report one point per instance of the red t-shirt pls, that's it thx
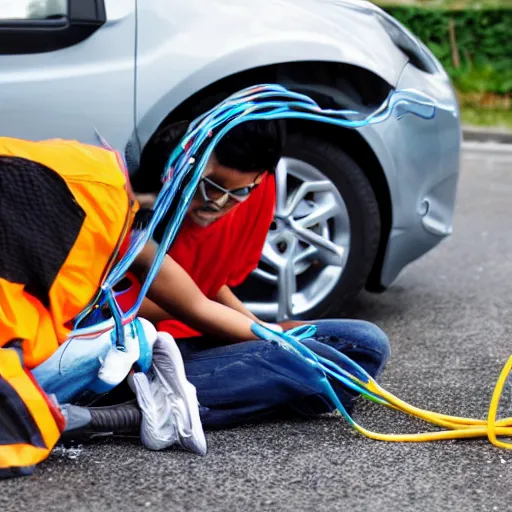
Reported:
(225, 252)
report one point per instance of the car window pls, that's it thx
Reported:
(33, 9)
(40, 26)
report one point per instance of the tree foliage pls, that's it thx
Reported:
(482, 41)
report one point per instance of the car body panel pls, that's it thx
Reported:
(68, 92)
(152, 55)
(173, 61)
(421, 161)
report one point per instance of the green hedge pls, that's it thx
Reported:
(483, 43)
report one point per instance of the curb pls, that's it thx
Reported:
(495, 148)
(484, 134)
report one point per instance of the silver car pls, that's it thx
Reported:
(354, 206)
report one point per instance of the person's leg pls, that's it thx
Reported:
(90, 366)
(248, 382)
(254, 380)
(69, 372)
(361, 341)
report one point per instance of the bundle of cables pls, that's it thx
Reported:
(180, 180)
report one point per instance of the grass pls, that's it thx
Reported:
(484, 90)
(486, 117)
(485, 108)
(448, 4)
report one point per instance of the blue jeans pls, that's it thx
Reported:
(256, 380)
(72, 373)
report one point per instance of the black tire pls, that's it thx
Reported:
(359, 197)
(363, 210)
(365, 226)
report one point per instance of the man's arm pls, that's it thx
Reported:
(230, 300)
(155, 314)
(226, 297)
(175, 292)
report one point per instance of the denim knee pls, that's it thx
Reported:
(346, 334)
(289, 370)
(379, 339)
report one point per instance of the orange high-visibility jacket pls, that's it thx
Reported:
(65, 210)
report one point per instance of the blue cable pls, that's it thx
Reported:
(267, 101)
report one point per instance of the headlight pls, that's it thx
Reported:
(415, 50)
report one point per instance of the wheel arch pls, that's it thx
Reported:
(332, 85)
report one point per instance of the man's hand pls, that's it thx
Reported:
(290, 324)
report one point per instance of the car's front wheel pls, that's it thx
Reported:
(324, 238)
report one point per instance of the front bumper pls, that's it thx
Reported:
(421, 161)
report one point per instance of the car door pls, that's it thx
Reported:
(66, 68)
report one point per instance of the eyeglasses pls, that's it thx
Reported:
(213, 193)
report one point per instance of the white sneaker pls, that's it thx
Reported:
(168, 401)
(169, 364)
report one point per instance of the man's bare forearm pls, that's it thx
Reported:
(226, 297)
(155, 314)
(174, 291)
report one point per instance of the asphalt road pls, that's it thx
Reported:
(449, 319)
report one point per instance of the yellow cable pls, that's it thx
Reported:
(431, 436)
(459, 427)
(493, 409)
(431, 417)
(442, 420)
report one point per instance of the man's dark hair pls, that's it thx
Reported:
(249, 146)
